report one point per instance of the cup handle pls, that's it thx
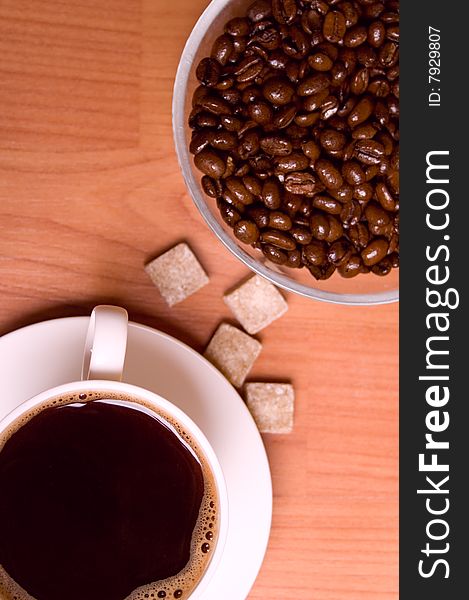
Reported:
(106, 343)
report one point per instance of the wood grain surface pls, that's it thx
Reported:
(90, 190)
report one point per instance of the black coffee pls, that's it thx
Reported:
(99, 498)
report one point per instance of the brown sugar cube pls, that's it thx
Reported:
(271, 405)
(233, 352)
(256, 303)
(177, 274)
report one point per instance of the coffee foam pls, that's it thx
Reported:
(205, 534)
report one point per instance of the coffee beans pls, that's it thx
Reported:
(296, 131)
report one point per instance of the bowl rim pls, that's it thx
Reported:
(178, 120)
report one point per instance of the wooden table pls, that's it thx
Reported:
(90, 189)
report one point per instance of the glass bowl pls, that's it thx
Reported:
(366, 289)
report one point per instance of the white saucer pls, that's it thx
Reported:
(47, 354)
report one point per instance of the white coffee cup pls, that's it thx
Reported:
(103, 363)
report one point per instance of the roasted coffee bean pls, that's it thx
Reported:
(394, 257)
(376, 34)
(350, 13)
(374, 252)
(291, 203)
(334, 27)
(329, 107)
(363, 192)
(278, 239)
(359, 82)
(339, 252)
(320, 62)
(232, 96)
(383, 267)
(231, 123)
(200, 140)
(274, 254)
(314, 253)
(279, 220)
(375, 215)
(301, 183)
(210, 163)
(260, 215)
(270, 195)
(252, 184)
(366, 56)
(208, 72)
(301, 235)
(351, 267)
(311, 23)
(278, 91)
(338, 74)
(246, 231)
(259, 10)
(313, 85)
(311, 150)
(389, 54)
(367, 131)
(392, 33)
(248, 69)
(238, 27)
(296, 131)
(356, 36)
(209, 186)
(380, 88)
(231, 199)
(307, 119)
(348, 58)
(328, 174)
(369, 152)
(261, 112)
(343, 194)
(284, 11)
(276, 145)
(322, 273)
(332, 139)
(327, 204)
(372, 11)
(361, 112)
(319, 225)
(200, 93)
(346, 107)
(223, 140)
(351, 213)
(230, 167)
(331, 50)
(384, 197)
(228, 213)
(296, 161)
(204, 119)
(295, 44)
(260, 164)
(353, 173)
(312, 103)
(215, 105)
(359, 235)
(284, 116)
(241, 193)
(226, 83)
(222, 49)
(267, 39)
(294, 260)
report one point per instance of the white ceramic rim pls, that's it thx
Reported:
(171, 410)
(184, 158)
